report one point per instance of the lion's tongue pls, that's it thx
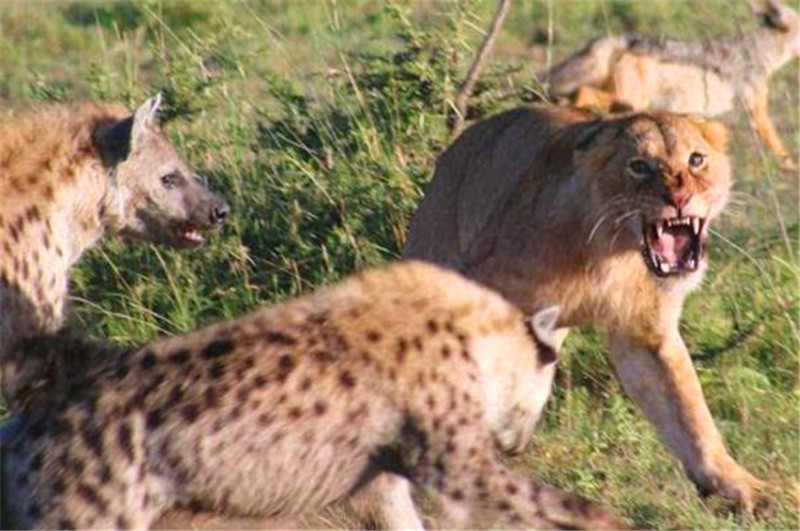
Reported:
(671, 247)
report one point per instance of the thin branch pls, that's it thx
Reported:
(465, 91)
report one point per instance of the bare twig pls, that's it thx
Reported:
(477, 66)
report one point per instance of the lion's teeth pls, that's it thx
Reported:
(664, 267)
(659, 230)
(696, 225)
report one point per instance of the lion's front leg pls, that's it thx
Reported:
(661, 380)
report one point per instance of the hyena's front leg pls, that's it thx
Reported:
(661, 380)
(477, 491)
(388, 501)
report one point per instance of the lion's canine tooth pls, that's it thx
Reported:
(696, 225)
(659, 230)
(664, 267)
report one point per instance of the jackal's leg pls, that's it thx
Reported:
(756, 101)
(660, 378)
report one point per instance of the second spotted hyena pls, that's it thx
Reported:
(70, 175)
(410, 372)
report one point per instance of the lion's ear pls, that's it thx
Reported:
(715, 134)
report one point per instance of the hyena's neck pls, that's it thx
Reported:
(52, 236)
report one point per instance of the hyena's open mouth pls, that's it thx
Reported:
(188, 235)
(674, 246)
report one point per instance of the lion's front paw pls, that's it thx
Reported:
(734, 483)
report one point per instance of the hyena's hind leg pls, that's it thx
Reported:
(477, 491)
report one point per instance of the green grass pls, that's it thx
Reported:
(320, 123)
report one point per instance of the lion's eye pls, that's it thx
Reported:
(170, 180)
(696, 159)
(640, 168)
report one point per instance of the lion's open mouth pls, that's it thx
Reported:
(674, 246)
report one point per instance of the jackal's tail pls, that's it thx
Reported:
(591, 66)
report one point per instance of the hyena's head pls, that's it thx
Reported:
(154, 195)
(519, 366)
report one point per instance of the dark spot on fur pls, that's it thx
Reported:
(242, 393)
(445, 352)
(347, 379)
(58, 486)
(125, 440)
(432, 326)
(210, 396)
(286, 363)
(148, 360)
(279, 338)
(32, 214)
(431, 401)
(91, 496)
(217, 348)
(265, 419)
(36, 462)
(236, 412)
(92, 437)
(402, 349)
(305, 385)
(216, 370)
(260, 381)
(122, 522)
(66, 524)
(179, 357)
(417, 341)
(175, 394)
(104, 474)
(320, 408)
(155, 418)
(323, 356)
(511, 489)
(457, 495)
(295, 413)
(373, 336)
(504, 506)
(190, 413)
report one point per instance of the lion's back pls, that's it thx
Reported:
(476, 176)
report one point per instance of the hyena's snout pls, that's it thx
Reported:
(218, 211)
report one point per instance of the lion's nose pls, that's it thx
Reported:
(677, 197)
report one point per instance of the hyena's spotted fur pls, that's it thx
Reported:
(68, 176)
(409, 372)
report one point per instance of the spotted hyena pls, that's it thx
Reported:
(69, 175)
(409, 372)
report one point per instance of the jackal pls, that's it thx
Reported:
(700, 77)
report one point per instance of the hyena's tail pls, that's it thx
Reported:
(591, 66)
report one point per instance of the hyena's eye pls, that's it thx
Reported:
(640, 168)
(696, 160)
(171, 180)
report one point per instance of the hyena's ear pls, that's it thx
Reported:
(145, 118)
(543, 325)
(113, 140)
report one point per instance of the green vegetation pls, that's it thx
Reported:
(320, 123)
